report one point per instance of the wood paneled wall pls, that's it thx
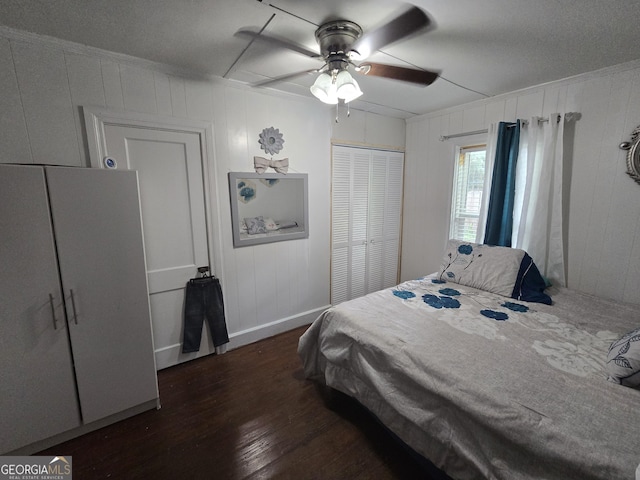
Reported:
(268, 288)
(603, 224)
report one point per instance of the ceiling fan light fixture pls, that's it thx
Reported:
(324, 89)
(346, 87)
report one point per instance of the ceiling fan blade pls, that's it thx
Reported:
(278, 42)
(420, 77)
(408, 23)
(284, 78)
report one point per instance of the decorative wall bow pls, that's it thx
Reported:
(261, 164)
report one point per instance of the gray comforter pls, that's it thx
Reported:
(483, 386)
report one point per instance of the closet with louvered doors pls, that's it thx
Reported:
(366, 219)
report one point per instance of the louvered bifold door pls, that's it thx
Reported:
(385, 208)
(359, 223)
(366, 213)
(340, 208)
(349, 223)
(378, 186)
(392, 218)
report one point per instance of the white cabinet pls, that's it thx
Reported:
(366, 216)
(75, 333)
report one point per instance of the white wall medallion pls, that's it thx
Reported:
(271, 141)
(633, 154)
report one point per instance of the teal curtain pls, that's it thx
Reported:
(501, 200)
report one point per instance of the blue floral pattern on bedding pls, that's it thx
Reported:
(440, 302)
(404, 294)
(516, 307)
(443, 298)
(450, 292)
(567, 347)
(500, 316)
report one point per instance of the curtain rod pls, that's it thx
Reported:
(569, 116)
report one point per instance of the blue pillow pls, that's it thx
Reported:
(530, 284)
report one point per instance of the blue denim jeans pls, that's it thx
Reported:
(203, 299)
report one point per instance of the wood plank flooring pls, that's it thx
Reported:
(247, 414)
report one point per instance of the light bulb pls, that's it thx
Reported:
(346, 87)
(324, 89)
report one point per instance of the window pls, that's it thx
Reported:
(468, 182)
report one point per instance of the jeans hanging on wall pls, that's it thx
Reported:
(203, 300)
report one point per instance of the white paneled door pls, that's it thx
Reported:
(170, 170)
(365, 220)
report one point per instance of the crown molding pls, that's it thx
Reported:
(45, 41)
(80, 49)
(581, 77)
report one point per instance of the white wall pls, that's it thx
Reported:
(363, 128)
(604, 203)
(268, 288)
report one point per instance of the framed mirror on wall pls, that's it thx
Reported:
(268, 207)
(633, 154)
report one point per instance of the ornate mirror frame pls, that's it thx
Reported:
(633, 155)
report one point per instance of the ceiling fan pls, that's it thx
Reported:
(343, 44)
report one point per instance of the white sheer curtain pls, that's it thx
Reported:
(492, 140)
(537, 216)
(537, 225)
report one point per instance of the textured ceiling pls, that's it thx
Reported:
(481, 48)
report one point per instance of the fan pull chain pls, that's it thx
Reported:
(338, 111)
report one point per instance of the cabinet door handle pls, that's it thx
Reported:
(53, 312)
(73, 305)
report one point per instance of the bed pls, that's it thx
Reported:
(485, 384)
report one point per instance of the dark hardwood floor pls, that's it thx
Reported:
(247, 414)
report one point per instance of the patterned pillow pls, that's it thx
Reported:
(506, 271)
(255, 225)
(623, 360)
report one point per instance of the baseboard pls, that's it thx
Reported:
(172, 355)
(261, 332)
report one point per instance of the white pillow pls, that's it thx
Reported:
(623, 360)
(494, 269)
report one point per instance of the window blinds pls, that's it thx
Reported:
(467, 192)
